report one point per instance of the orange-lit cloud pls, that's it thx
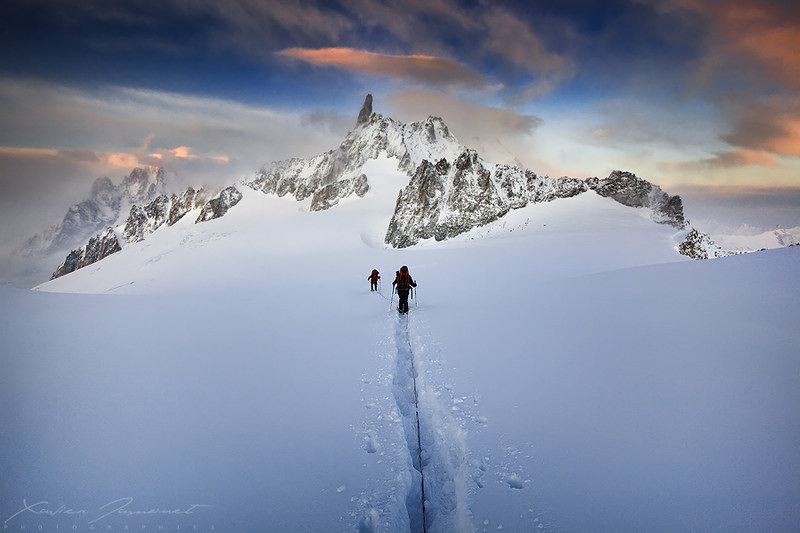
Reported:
(112, 160)
(772, 125)
(106, 162)
(122, 160)
(165, 156)
(181, 152)
(424, 69)
(739, 157)
(765, 33)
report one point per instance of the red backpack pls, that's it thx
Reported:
(403, 279)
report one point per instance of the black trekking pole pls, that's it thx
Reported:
(416, 299)
(390, 299)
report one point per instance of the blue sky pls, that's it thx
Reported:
(701, 98)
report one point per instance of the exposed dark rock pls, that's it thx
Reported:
(366, 111)
(98, 247)
(144, 221)
(188, 200)
(698, 245)
(418, 206)
(522, 187)
(631, 191)
(444, 200)
(329, 195)
(217, 207)
(134, 226)
(374, 137)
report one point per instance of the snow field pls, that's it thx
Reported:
(574, 374)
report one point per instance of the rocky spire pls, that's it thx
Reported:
(366, 111)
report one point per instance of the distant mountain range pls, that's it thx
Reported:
(104, 207)
(451, 190)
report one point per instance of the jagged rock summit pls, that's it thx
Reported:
(366, 111)
(106, 203)
(450, 191)
(334, 175)
(142, 221)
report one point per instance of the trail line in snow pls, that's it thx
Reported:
(407, 398)
(419, 433)
(438, 500)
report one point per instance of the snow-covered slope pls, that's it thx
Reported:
(573, 373)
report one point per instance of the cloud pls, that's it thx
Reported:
(740, 209)
(499, 41)
(428, 70)
(735, 158)
(415, 104)
(765, 33)
(500, 135)
(772, 125)
(438, 43)
(510, 38)
(54, 142)
(108, 161)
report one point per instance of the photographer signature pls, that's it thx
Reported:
(120, 506)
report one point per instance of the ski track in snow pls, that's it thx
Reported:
(423, 425)
(417, 429)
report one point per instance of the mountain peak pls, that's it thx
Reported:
(102, 187)
(143, 184)
(366, 111)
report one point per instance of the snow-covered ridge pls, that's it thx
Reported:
(442, 200)
(143, 221)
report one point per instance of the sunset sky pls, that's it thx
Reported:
(700, 97)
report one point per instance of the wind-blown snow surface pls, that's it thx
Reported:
(573, 374)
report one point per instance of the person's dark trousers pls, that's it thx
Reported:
(402, 294)
(374, 286)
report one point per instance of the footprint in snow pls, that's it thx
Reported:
(514, 481)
